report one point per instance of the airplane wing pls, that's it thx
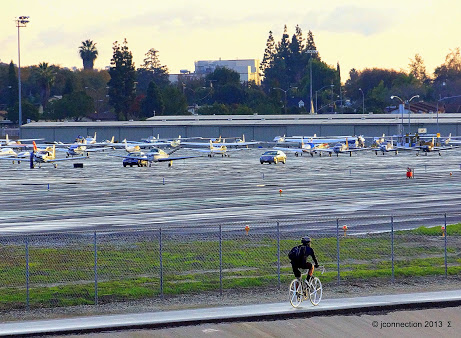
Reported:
(243, 144)
(291, 150)
(324, 150)
(198, 144)
(175, 158)
(65, 159)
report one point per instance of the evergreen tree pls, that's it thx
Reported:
(310, 45)
(296, 62)
(269, 54)
(13, 88)
(153, 103)
(152, 70)
(121, 84)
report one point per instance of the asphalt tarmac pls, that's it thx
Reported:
(105, 195)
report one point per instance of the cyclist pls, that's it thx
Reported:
(301, 262)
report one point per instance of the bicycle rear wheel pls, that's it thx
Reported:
(295, 293)
(315, 291)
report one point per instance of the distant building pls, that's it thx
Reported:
(248, 70)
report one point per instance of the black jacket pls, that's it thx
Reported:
(307, 251)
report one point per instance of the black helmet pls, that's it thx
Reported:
(305, 240)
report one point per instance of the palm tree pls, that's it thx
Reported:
(88, 53)
(45, 78)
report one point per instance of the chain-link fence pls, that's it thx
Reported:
(62, 269)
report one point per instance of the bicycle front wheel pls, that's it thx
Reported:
(296, 293)
(315, 291)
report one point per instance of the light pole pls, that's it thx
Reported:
(401, 108)
(363, 101)
(311, 52)
(285, 92)
(22, 21)
(316, 96)
(409, 110)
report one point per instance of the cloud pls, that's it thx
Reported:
(351, 19)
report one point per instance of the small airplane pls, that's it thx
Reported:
(238, 142)
(154, 155)
(298, 151)
(87, 140)
(427, 147)
(10, 154)
(279, 139)
(213, 149)
(339, 148)
(47, 155)
(6, 142)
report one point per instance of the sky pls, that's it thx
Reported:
(356, 33)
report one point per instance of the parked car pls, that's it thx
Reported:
(135, 159)
(273, 156)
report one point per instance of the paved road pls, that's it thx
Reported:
(240, 313)
(104, 195)
(434, 323)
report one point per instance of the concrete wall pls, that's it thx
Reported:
(257, 128)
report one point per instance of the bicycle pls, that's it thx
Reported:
(300, 291)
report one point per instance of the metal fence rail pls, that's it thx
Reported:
(61, 269)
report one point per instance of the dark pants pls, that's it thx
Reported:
(296, 266)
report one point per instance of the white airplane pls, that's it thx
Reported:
(48, 155)
(213, 149)
(87, 140)
(10, 154)
(279, 139)
(6, 142)
(154, 155)
(339, 148)
(238, 142)
(299, 150)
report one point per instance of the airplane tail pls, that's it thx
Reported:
(33, 142)
(347, 143)
(53, 154)
(243, 137)
(6, 138)
(112, 139)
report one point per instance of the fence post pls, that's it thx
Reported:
(220, 259)
(337, 248)
(392, 246)
(445, 230)
(95, 270)
(278, 253)
(161, 261)
(27, 274)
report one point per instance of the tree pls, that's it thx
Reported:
(121, 84)
(74, 105)
(175, 101)
(13, 88)
(269, 54)
(153, 102)
(88, 53)
(152, 70)
(418, 69)
(45, 77)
